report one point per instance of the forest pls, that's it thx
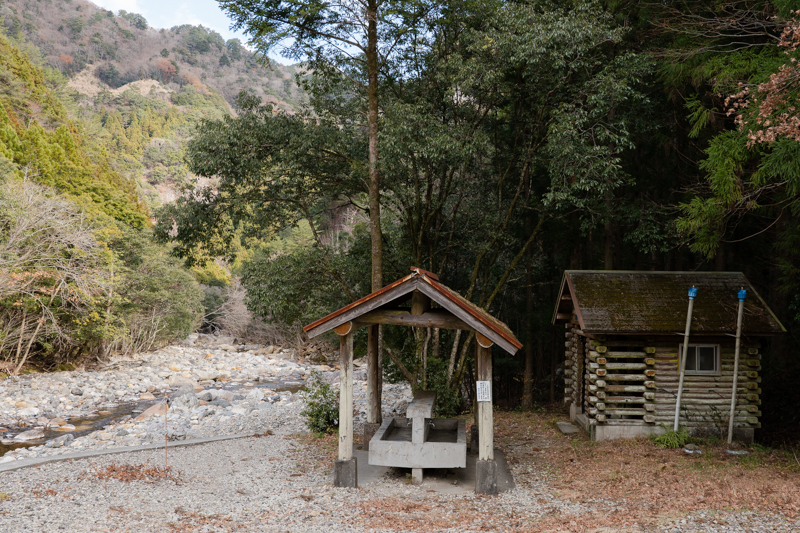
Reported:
(493, 143)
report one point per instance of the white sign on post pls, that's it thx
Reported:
(484, 391)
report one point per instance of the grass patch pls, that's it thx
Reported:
(672, 439)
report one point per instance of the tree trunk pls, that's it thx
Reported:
(372, 127)
(527, 387)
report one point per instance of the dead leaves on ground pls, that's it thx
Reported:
(127, 473)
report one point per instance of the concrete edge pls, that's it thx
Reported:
(23, 463)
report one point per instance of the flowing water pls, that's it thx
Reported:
(99, 419)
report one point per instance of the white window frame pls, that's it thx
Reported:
(717, 360)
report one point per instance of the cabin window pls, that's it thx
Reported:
(701, 358)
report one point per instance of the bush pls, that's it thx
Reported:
(322, 405)
(672, 439)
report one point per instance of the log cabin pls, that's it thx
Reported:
(624, 336)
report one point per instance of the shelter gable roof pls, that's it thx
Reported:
(427, 283)
(656, 302)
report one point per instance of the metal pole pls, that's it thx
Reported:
(742, 297)
(692, 296)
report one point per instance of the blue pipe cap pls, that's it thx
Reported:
(742, 295)
(692, 293)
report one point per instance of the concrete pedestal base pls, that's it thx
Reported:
(416, 476)
(369, 432)
(345, 473)
(486, 477)
(473, 438)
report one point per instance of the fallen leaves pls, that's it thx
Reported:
(127, 473)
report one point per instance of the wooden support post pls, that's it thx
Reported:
(483, 358)
(345, 391)
(374, 386)
(374, 381)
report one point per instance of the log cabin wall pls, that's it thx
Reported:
(573, 367)
(630, 385)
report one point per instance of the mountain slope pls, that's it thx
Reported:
(76, 36)
(138, 91)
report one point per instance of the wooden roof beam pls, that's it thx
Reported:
(433, 318)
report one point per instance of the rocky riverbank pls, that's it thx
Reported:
(213, 387)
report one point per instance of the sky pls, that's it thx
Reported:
(169, 13)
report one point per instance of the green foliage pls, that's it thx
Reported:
(200, 40)
(162, 302)
(671, 439)
(292, 289)
(321, 410)
(235, 49)
(136, 20)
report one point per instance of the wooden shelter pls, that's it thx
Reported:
(624, 333)
(417, 291)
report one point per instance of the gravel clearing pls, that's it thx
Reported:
(271, 484)
(214, 389)
(282, 481)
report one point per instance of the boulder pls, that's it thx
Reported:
(225, 395)
(31, 434)
(180, 381)
(186, 402)
(207, 375)
(60, 441)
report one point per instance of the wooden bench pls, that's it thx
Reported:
(419, 441)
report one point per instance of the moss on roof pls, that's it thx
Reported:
(656, 302)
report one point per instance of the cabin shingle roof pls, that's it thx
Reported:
(656, 302)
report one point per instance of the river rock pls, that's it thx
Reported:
(179, 381)
(157, 409)
(60, 441)
(206, 375)
(29, 411)
(185, 402)
(77, 391)
(147, 396)
(31, 434)
(225, 395)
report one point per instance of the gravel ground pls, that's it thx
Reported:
(276, 483)
(280, 482)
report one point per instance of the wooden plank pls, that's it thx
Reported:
(626, 355)
(434, 318)
(625, 399)
(346, 397)
(374, 377)
(626, 377)
(483, 357)
(370, 305)
(626, 366)
(625, 388)
(626, 412)
(464, 315)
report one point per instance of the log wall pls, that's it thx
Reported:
(625, 382)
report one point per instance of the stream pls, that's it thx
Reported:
(99, 419)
